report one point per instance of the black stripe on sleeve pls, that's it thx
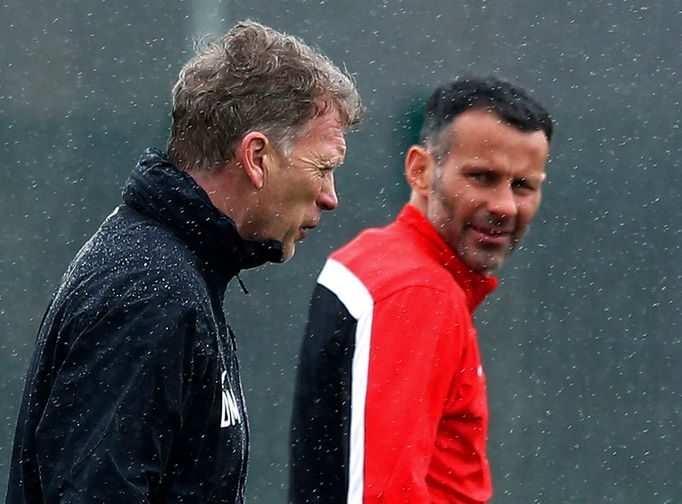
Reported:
(320, 424)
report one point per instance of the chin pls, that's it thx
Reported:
(482, 262)
(288, 252)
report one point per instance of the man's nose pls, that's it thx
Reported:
(328, 200)
(503, 202)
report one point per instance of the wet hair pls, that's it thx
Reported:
(253, 79)
(509, 102)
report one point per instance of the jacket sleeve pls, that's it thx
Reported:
(116, 402)
(320, 418)
(417, 338)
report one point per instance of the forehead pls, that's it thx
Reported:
(324, 138)
(483, 134)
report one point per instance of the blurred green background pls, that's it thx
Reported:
(581, 342)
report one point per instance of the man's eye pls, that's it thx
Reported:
(522, 184)
(479, 176)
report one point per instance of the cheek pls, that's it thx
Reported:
(451, 191)
(303, 192)
(465, 201)
(311, 191)
(527, 211)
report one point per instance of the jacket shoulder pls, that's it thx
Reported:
(385, 261)
(129, 260)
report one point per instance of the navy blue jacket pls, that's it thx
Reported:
(133, 394)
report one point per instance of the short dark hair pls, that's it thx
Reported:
(254, 78)
(509, 102)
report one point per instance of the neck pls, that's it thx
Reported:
(230, 195)
(419, 203)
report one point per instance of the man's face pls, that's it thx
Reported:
(301, 185)
(487, 190)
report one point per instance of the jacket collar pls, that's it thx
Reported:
(161, 191)
(476, 286)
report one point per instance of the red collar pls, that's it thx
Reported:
(476, 286)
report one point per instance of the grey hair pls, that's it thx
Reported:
(253, 79)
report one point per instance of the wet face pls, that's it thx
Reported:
(300, 186)
(486, 192)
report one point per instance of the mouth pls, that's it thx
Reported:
(491, 235)
(304, 231)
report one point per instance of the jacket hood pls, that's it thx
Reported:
(161, 191)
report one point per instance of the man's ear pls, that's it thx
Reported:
(419, 166)
(252, 152)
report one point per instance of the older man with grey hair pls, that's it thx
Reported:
(133, 393)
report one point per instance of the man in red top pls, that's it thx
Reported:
(390, 401)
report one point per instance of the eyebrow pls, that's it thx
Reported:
(341, 151)
(330, 160)
(536, 177)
